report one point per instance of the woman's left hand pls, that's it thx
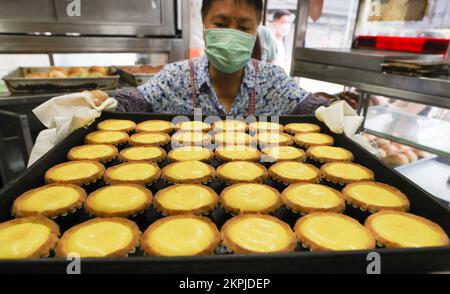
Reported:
(98, 96)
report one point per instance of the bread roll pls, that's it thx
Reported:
(397, 160)
(78, 72)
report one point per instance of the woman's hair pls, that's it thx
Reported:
(280, 13)
(257, 4)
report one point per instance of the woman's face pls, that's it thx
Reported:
(231, 14)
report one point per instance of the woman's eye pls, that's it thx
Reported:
(244, 29)
(220, 25)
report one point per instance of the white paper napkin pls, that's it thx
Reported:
(62, 116)
(341, 118)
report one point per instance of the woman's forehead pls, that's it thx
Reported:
(232, 10)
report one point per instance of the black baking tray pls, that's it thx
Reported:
(392, 260)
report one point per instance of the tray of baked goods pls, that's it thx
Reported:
(61, 79)
(138, 75)
(145, 193)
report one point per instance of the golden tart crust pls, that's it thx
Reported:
(189, 153)
(339, 172)
(23, 208)
(308, 140)
(230, 126)
(186, 138)
(309, 198)
(115, 138)
(143, 153)
(237, 153)
(297, 128)
(188, 172)
(327, 154)
(283, 153)
(116, 125)
(123, 251)
(395, 229)
(331, 227)
(288, 244)
(242, 172)
(186, 199)
(262, 127)
(108, 208)
(291, 172)
(43, 249)
(230, 138)
(209, 241)
(68, 169)
(152, 169)
(375, 197)
(101, 153)
(155, 126)
(274, 139)
(241, 199)
(194, 126)
(150, 139)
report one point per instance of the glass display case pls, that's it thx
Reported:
(414, 112)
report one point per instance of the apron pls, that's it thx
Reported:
(252, 100)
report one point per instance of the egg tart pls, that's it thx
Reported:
(115, 138)
(143, 153)
(154, 126)
(325, 154)
(100, 238)
(28, 238)
(116, 125)
(283, 153)
(101, 153)
(121, 200)
(232, 138)
(309, 198)
(242, 172)
(290, 172)
(274, 139)
(375, 197)
(191, 139)
(49, 201)
(83, 172)
(301, 128)
(194, 126)
(190, 153)
(150, 139)
(324, 231)
(395, 229)
(237, 153)
(260, 234)
(346, 173)
(308, 140)
(188, 172)
(263, 127)
(141, 173)
(186, 199)
(181, 235)
(230, 126)
(250, 199)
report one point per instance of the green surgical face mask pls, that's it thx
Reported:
(229, 50)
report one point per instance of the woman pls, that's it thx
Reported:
(226, 81)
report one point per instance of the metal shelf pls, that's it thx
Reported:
(431, 135)
(438, 185)
(361, 69)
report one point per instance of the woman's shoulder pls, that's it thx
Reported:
(271, 70)
(176, 67)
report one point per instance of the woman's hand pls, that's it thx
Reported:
(98, 96)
